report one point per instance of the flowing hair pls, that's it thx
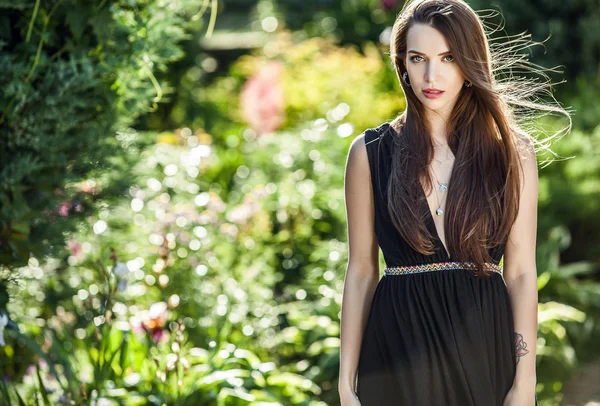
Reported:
(490, 127)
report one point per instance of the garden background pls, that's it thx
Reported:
(172, 220)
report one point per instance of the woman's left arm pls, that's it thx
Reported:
(520, 275)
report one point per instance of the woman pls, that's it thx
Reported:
(446, 191)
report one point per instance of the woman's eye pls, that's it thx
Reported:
(414, 58)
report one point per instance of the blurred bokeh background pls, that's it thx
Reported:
(172, 220)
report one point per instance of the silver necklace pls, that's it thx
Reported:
(443, 188)
(441, 162)
(445, 160)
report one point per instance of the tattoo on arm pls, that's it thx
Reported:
(521, 346)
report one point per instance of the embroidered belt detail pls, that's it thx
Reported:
(438, 266)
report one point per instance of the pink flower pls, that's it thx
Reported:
(30, 370)
(262, 99)
(136, 325)
(74, 247)
(154, 320)
(63, 210)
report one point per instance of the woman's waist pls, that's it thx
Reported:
(441, 266)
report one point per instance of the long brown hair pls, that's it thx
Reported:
(488, 129)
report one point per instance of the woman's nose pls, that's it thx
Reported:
(430, 72)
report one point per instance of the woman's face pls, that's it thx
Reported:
(430, 65)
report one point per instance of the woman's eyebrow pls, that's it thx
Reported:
(412, 51)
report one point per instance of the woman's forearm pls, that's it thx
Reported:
(359, 287)
(524, 300)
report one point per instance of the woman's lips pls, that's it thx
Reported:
(433, 94)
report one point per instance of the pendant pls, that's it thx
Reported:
(443, 186)
(439, 211)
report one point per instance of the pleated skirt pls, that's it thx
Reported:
(442, 338)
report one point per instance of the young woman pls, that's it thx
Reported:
(446, 191)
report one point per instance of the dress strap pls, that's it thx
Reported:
(373, 144)
(372, 138)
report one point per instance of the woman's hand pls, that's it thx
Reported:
(517, 396)
(349, 398)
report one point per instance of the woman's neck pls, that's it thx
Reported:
(437, 128)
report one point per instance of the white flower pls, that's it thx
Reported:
(3, 324)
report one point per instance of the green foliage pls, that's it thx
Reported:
(569, 194)
(74, 73)
(568, 316)
(567, 24)
(318, 80)
(217, 339)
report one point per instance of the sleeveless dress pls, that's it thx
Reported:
(436, 335)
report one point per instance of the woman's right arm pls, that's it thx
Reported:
(362, 272)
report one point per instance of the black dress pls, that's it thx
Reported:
(436, 335)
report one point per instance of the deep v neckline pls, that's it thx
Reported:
(431, 221)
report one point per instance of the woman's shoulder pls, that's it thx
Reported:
(363, 144)
(377, 133)
(375, 141)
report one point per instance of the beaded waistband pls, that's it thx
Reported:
(438, 266)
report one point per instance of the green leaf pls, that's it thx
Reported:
(123, 355)
(33, 346)
(21, 402)
(42, 387)
(76, 22)
(568, 271)
(4, 392)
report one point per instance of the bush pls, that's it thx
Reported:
(74, 75)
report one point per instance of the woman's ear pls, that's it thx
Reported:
(399, 67)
